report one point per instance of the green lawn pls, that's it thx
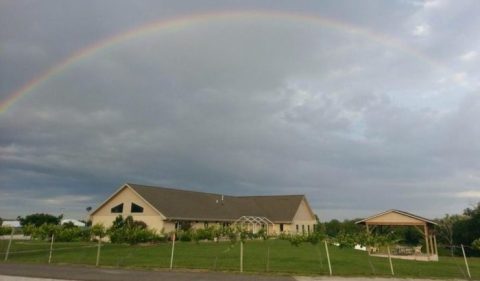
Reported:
(274, 256)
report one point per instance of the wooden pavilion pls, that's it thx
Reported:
(401, 218)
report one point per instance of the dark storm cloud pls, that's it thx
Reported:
(235, 107)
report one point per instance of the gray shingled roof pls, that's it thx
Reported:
(178, 204)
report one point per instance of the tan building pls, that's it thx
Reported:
(166, 208)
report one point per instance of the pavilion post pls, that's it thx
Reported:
(368, 233)
(426, 241)
(432, 248)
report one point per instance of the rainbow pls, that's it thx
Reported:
(179, 23)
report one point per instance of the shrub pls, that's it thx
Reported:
(296, 240)
(28, 230)
(345, 240)
(185, 236)
(204, 234)
(68, 234)
(315, 237)
(132, 232)
(133, 236)
(45, 231)
(5, 230)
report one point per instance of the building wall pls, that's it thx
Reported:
(304, 219)
(150, 216)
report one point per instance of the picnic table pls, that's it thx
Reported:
(403, 250)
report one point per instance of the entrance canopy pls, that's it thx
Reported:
(401, 218)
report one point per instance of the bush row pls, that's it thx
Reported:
(5, 230)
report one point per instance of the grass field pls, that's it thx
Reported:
(272, 256)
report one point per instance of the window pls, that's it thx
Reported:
(117, 209)
(308, 229)
(303, 228)
(297, 227)
(136, 209)
(281, 227)
(205, 224)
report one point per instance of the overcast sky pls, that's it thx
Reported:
(362, 106)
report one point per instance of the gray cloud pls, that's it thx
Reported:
(241, 107)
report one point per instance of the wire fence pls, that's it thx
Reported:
(261, 256)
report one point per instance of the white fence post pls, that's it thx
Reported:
(241, 256)
(173, 250)
(328, 258)
(466, 263)
(9, 245)
(51, 249)
(390, 260)
(268, 259)
(98, 250)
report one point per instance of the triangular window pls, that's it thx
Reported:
(117, 209)
(136, 208)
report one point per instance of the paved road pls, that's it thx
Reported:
(85, 273)
(38, 272)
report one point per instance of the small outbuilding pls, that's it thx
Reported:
(401, 218)
(73, 221)
(11, 223)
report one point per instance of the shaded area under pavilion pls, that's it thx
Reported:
(401, 218)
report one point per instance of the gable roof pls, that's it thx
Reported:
(177, 204)
(403, 213)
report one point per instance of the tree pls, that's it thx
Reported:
(467, 230)
(476, 244)
(445, 227)
(333, 227)
(470, 212)
(98, 230)
(40, 219)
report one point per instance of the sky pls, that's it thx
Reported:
(363, 106)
